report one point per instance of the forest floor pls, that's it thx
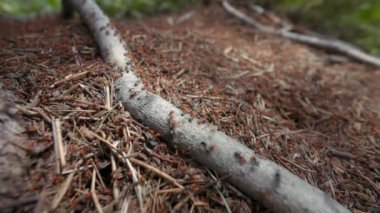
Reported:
(291, 103)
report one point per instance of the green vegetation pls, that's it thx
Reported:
(138, 8)
(351, 20)
(25, 7)
(135, 8)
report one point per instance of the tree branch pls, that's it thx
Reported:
(328, 44)
(253, 174)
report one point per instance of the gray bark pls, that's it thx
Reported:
(256, 176)
(12, 158)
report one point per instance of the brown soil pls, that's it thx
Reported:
(289, 102)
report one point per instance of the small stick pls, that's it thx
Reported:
(125, 205)
(35, 100)
(56, 151)
(62, 191)
(58, 145)
(296, 165)
(115, 188)
(70, 77)
(115, 184)
(180, 73)
(341, 154)
(108, 104)
(25, 111)
(224, 200)
(373, 184)
(82, 168)
(173, 190)
(43, 114)
(332, 189)
(99, 176)
(157, 171)
(216, 181)
(110, 206)
(76, 166)
(136, 183)
(181, 203)
(154, 154)
(93, 193)
(155, 196)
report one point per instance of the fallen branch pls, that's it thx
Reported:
(254, 175)
(328, 44)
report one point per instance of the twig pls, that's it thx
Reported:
(108, 102)
(93, 193)
(155, 195)
(35, 100)
(329, 44)
(76, 166)
(173, 190)
(62, 191)
(125, 205)
(136, 161)
(110, 206)
(180, 73)
(179, 205)
(70, 77)
(224, 201)
(332, 189)
(43, 114)
(341, 154)
(216, 181)
(374, 185)
(58, 145)
(115, 183)
(157, 171)
(82, 168)
(296, 165)
(25, 111)
(135, 180)
(154, 154)
(99, 175)
(219, 192)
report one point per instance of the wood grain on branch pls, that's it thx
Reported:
(256, 176)
(317, 41)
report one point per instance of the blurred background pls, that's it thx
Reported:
(355, 21)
